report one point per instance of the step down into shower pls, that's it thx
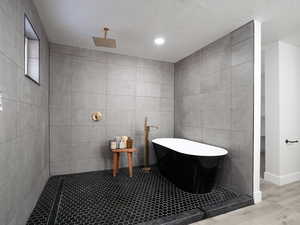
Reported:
(45, 206)
(145, 199)
(54, 208)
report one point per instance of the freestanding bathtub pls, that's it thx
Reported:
(190, 165)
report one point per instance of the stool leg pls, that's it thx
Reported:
(115, 158)
(118, 161)
(129, 155)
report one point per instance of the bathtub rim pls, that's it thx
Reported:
(211, 151)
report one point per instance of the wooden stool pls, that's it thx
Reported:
(116, 159)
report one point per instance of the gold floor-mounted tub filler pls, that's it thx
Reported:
(146, 149)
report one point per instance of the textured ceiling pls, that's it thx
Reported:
(187, 25)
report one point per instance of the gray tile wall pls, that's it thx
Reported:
(214, 102)
(125, 89)
(24, 128)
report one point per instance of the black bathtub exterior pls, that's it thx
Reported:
(194, 174)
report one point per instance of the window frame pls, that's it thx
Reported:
(26, 51)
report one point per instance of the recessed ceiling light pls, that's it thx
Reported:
(159, 41)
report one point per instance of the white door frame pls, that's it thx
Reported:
(257, 196)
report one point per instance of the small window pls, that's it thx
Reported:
(32, 52)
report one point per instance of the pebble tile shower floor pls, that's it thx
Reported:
(98, 198)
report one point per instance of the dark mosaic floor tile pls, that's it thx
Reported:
(146, 198)
(42, 211)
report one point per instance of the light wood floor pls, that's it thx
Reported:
(280, 206)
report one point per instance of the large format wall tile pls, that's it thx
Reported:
(24, 129)
(148, 89)
(121, 73)
(241, 75)
(8, 83)
(243, 33)
(8, 120)
(125, 89)
(214, 102)
(86, 100)
(242, 52)
(148, 104)
(121, 87)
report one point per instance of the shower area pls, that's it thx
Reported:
(207, 97)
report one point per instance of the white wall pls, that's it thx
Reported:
(263, 95)
(289, 93)
(257, 113)
(272, 109)
(282, 112)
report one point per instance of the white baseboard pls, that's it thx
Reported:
(272, 178)
(257, 197)
(283, 179)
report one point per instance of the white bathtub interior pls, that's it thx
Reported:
(188, 147)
